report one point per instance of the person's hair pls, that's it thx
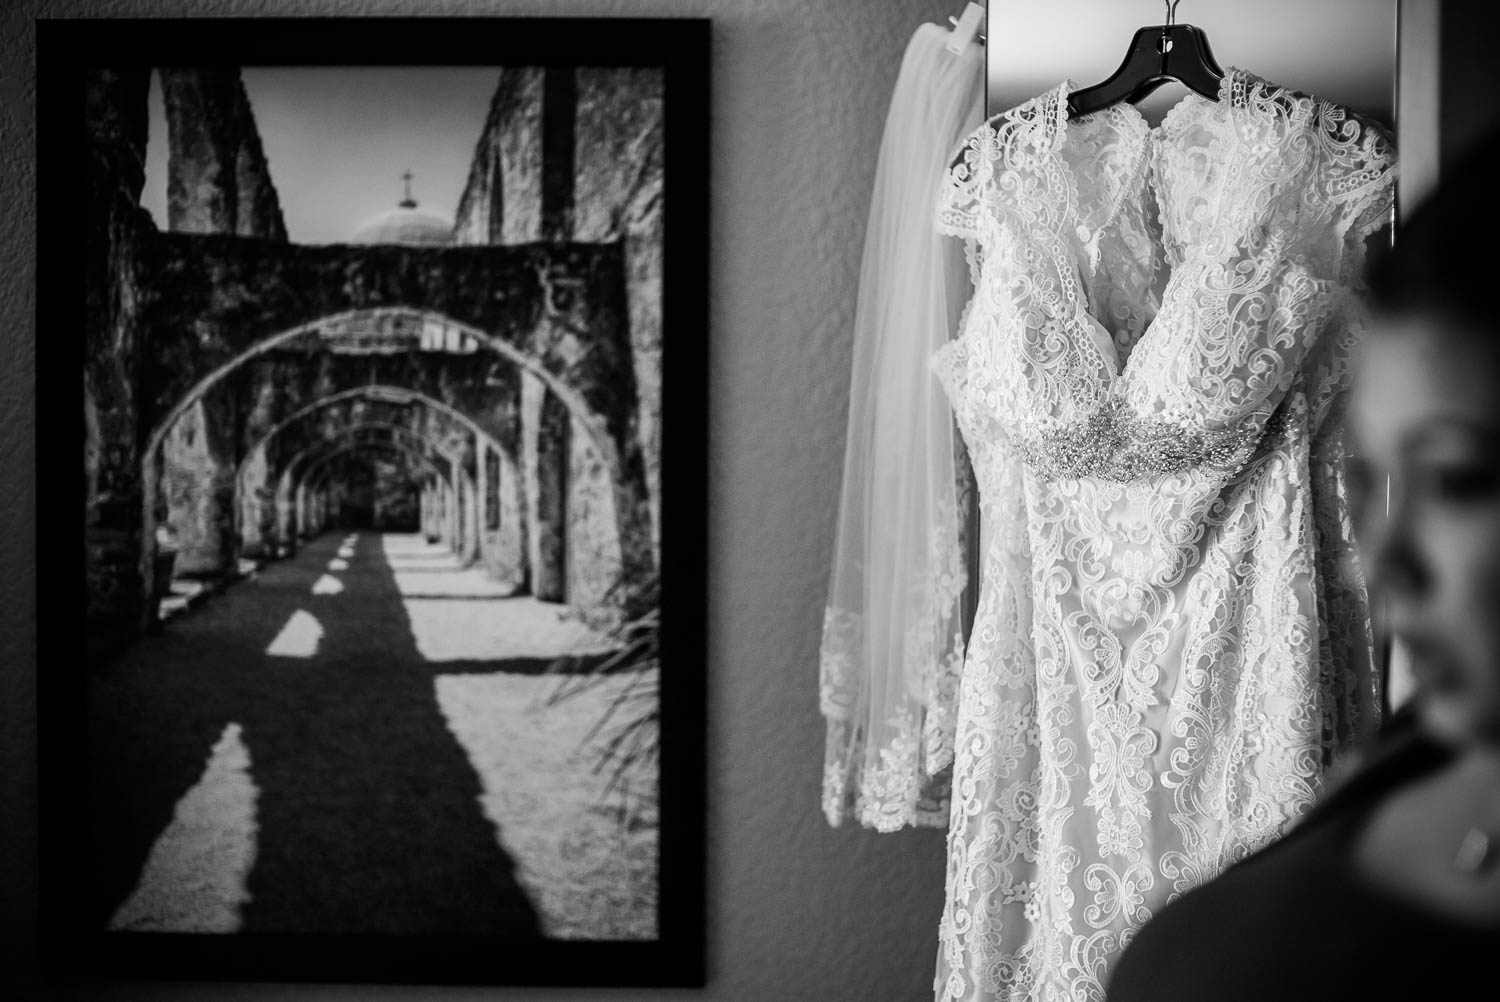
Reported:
(1439, 264)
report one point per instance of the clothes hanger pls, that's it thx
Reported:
(965, 28)
(1157, 54)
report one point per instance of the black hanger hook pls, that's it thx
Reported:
(1165, 45)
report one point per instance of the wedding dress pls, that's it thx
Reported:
(1172, 640)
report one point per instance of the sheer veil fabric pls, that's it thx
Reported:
(1172, 641)
(893, 628)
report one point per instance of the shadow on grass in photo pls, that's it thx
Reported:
(367, 810)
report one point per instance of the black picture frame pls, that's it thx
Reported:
(66, 50)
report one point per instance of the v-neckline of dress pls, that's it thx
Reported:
(1142, 131)
(1144, 136)
(1265, 198)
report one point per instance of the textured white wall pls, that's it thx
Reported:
(796, 910)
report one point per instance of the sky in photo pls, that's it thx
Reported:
(338, 138)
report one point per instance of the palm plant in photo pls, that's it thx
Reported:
(625, 741)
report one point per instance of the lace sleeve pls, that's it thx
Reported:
(971, 203)
(1361, 185)
(960, 199)
(1357, 188)
(960, 204)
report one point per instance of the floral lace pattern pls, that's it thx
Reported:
(904, 781)
(1172, 641)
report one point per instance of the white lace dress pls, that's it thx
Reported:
(1172, 642)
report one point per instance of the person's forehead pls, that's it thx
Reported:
(1434, 324)
(1435, 344)
(1415, 365)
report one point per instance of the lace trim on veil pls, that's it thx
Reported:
(900, 594)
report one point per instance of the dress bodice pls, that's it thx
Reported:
(1149, 295)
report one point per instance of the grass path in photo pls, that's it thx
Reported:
(378, 740)
(587, 857)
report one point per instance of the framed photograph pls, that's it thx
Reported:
(382, 655)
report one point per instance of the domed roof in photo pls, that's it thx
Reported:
(405, 224)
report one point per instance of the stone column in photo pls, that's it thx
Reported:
(521, 190)
(218, 183)
(270, 397)
(545, 427)
(509, 559)
(304, 507)
(217, 177)
(198, 467)
(460, 514)
(618, 196)
(471, 520)
(482, 495)
(251, 488)
(288, 532)
(119, 556)
(450, 513)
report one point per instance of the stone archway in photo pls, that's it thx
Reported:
(491, 453)
(555, 356)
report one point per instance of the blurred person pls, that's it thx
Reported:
(1390, 887)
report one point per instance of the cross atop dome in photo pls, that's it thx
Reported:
(405, 224)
